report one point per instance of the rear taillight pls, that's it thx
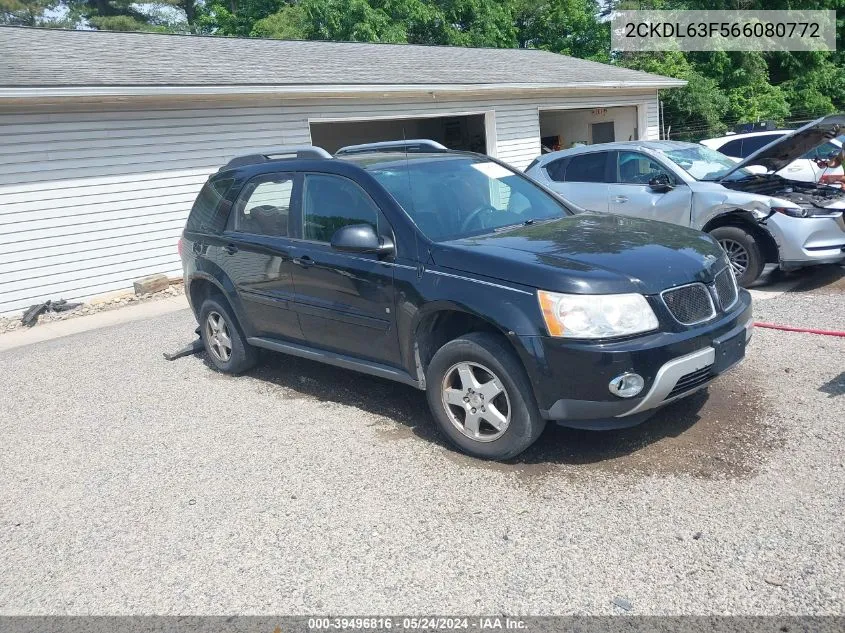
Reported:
(179, 247)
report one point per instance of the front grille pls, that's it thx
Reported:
(690, 381)
(726, 290)
(689, 304)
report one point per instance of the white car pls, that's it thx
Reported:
(758, 218)
(804, 169)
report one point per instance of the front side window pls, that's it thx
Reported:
(824, 151)
(451, 197)
(587, 168)
(331, 202)
(634, 168)
(264, 206)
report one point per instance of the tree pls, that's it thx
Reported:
(28, 13)
(692, 112)
(570, 27)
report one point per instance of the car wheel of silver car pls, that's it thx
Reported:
(737, 255)
(481, 397)
(224, 341)
(743, 252)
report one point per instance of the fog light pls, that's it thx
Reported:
(627, 385)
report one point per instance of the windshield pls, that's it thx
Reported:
(702, 163)
(451, 197)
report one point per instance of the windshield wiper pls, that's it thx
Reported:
(529, 222)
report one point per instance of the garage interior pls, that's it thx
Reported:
(465, 132)
(562, 129)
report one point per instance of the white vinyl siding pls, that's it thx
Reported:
(94, 197)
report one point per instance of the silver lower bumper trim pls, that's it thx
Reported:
(669, 374)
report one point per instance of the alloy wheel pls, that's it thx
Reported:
(737, 255)
(217, 335)
(476, 401)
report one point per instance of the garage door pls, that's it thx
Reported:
(464, 132)
(561, 129)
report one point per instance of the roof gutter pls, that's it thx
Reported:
(322, 90)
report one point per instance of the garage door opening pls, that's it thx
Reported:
(562, 129)
(465, 132)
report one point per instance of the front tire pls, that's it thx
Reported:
(481, 397)
(224, 341)
(743, 252)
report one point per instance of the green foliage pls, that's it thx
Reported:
(288, 24)
(29, 13)
(563, 26)
(693, 112)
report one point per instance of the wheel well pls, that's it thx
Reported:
(741, 219)
(438, 328)
(202, 289)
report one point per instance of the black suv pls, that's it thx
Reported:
(453, 273)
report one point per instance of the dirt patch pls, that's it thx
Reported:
(827, 280)
(714, 434)
(718, 433)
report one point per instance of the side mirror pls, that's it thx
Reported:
(660, 183)
(361, 238)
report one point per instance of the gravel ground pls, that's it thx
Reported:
(134, 485)
(9, 324)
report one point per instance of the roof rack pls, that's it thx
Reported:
(412, 146)
(287, 151)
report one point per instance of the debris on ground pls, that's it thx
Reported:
(193, 347)
(153, 283)
(30, 317)
(9, 324)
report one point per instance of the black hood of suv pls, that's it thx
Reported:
(589, 253)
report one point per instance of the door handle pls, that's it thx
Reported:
(231, 249)
(305, 261)
(621, 199)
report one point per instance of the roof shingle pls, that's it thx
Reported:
(31, 58)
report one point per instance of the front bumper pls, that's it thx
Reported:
(571, 378)
(803, 241)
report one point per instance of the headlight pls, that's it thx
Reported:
(795, 212)
(595, 316)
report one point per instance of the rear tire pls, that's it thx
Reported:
(743, 251)
(481, 397)
(223, 338)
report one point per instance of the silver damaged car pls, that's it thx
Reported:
(758, 218)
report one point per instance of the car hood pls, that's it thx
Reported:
(778, 154)
(589, 253)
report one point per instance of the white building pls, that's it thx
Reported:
(106, 138)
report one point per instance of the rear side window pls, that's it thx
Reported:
(587, 168)
(264, 206)
(732, 148)
(206, 214)
(753, 143)
(557, 170)
(331, 202)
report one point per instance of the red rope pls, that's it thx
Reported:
(788, 328)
